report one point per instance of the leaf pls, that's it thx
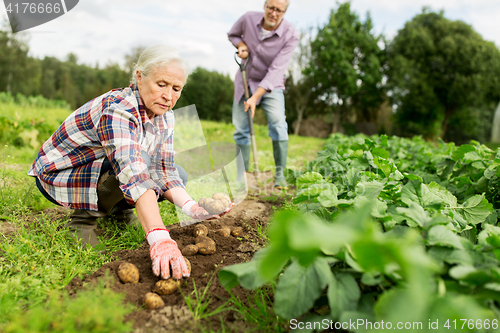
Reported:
(370, 190)
(471, 275)
(459, 154)
(383, 165)
(300, 286)
(309, 178)
(417, 192)
(328, 198)
(416, 213)
(476, 209)
(245, 274)
(439, 235)
(343, 294)
(380, 152)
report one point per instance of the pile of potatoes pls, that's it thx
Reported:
(206, 245)
(128, 273)
(217, 204)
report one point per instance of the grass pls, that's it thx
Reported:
(257, 310)
(40, 257)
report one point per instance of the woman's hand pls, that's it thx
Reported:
(165, 254)
(193, 210)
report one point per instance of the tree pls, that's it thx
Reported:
(299, 87)
(211, 92)
(439, 69)
(13, 61)
(347, 65)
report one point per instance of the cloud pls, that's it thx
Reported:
(104, 31)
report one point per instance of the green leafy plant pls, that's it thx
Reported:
(384, 229)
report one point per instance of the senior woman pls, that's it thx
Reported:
(116, 152)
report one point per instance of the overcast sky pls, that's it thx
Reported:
(104, 31)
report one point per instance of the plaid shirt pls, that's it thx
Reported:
(115, 125)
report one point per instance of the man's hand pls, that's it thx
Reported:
(165, 253)
(242, 50)
(251, 104)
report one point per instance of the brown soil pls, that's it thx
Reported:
(252, 215)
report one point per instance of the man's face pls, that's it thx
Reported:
(273, 13)
(161, 89)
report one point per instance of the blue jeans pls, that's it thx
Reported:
(273, 104)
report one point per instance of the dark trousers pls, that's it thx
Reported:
(106, 166)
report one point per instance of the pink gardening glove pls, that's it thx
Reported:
(194, 211)
(165, 253)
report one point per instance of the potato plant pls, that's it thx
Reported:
(385, 228)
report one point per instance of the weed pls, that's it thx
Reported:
(258, 310)
(94, 309)
(199, 300)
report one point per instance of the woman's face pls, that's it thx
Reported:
(161, 89)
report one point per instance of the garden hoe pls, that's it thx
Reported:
(243, 66)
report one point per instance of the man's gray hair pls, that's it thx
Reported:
(287, 3)
(155, 57)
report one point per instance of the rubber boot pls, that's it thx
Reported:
(245, 153)
(83, 223)
(280, 151)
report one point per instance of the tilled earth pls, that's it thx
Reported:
(251, 215)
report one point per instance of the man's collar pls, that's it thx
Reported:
(278, 30)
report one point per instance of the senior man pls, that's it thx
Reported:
(270, 40)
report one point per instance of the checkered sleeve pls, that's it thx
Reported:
(162, 169)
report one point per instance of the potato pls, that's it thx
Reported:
(200, 230)
(153, 301)
(224, 232)
(188, 265)
(190, 250)
(237, 232)
(215, 207)
(224, 198)
(206, 248)
(203, 239)
(165, 287)
(128, 273)
(202, 201)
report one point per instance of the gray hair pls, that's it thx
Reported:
(158, 56)
(287, 3)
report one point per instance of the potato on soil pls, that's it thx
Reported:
(237, 232)
(165, 287)
(153, 301)
(203, 239)
(188, 265)
(206, 248)
(200, 230)
(190, 250)
(224, 232)
(128, 273)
